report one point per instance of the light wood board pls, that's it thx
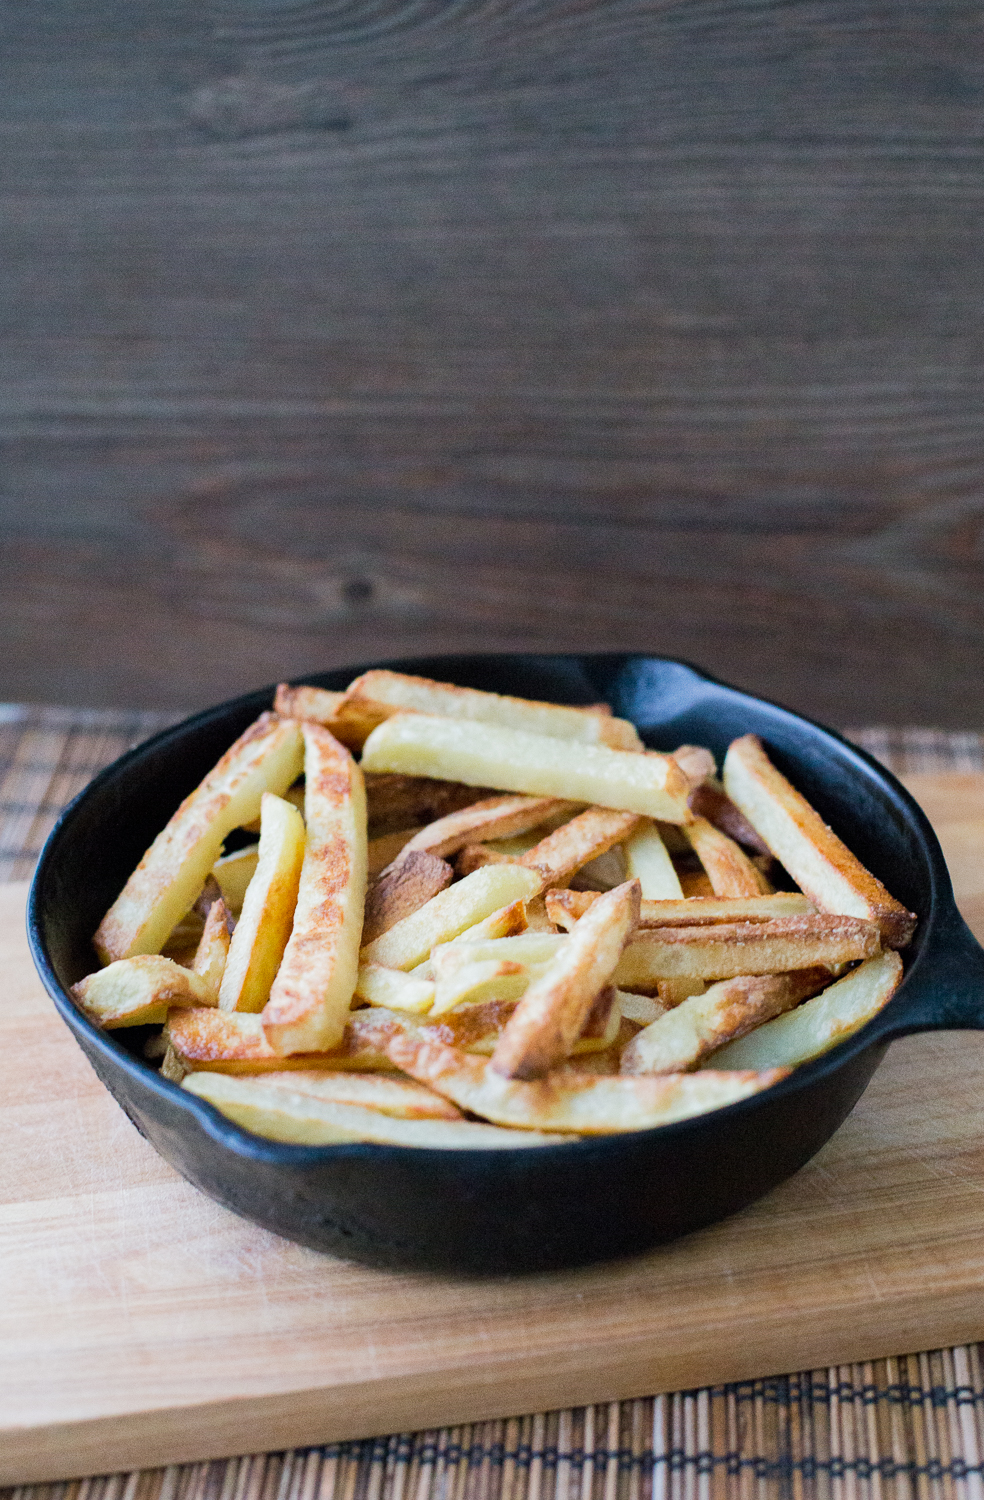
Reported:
(140, 1323)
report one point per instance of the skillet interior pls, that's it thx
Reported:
(499, 1210)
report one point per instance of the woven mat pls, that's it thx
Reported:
(906, 1427)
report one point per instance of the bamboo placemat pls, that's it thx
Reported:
(906, 1427)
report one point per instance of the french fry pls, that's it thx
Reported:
(392, 988)
(672, 992)
(377, 695)
(460, 980)
(403, 889)
(235, 1042)
(311, 994)
(139, 991)
(587, 1103)
(400, 1097)
(490, 818)
(700, 1025)
(320, 707)
(820, 1023)
(535, 764)
(730, 949)
(696, 762)
(640, 1008)
(523, 948)
(564, 908)
(266, 758)
(551, 1014)
(506, 921)
(213, 948)
(815, 857)
(233, 873)
(264, 926)
(294, 795)
(451, 912)
(711, 801)
(648, 860)
(728, 867)
(570, 847)
(303, 1120)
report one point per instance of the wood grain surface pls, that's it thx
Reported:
(143, 1324)
(332, 331)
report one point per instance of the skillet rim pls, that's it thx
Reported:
(880, 1029)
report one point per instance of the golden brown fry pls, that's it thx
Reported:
(403, 889)
(815, 857)
(552, 1013)
(570, 847)
(693, 1030)
(377, 695)
(727, 950)
(567, 1099)
(266, 758)
(491, 818)
(139, 991)
(213, 948)
(673, 992)
(564, 908)
(235, 1042)
(320, 707)
(728, 867)
(310, 997)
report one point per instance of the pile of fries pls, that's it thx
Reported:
(507, 924)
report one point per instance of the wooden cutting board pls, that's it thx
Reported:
(141, 1324)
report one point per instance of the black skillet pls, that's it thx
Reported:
(523, 1210)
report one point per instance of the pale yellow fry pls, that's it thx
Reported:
(452, 911)
(310, 997)
(267, 758)
(551, 1014)
(305, 1121)
(507, 921)
(589, 1103)
(701, 1024)
(725, 951)
(820, 1023)
(213, 947)
(379, 694)
(460, 980)
(139, 991)
(392, 988)
(264, 926)
(648, 860)
(400, 1097)
(728, 867)
(492, 818)
(484, 754)
(234, 873)
(815, 857)
(640, 1008)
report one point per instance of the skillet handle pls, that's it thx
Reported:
(946, 991)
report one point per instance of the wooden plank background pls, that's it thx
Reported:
(336, 328)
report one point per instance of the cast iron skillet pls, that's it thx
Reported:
(523, 1210)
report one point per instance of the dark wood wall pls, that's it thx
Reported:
(338, 328)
